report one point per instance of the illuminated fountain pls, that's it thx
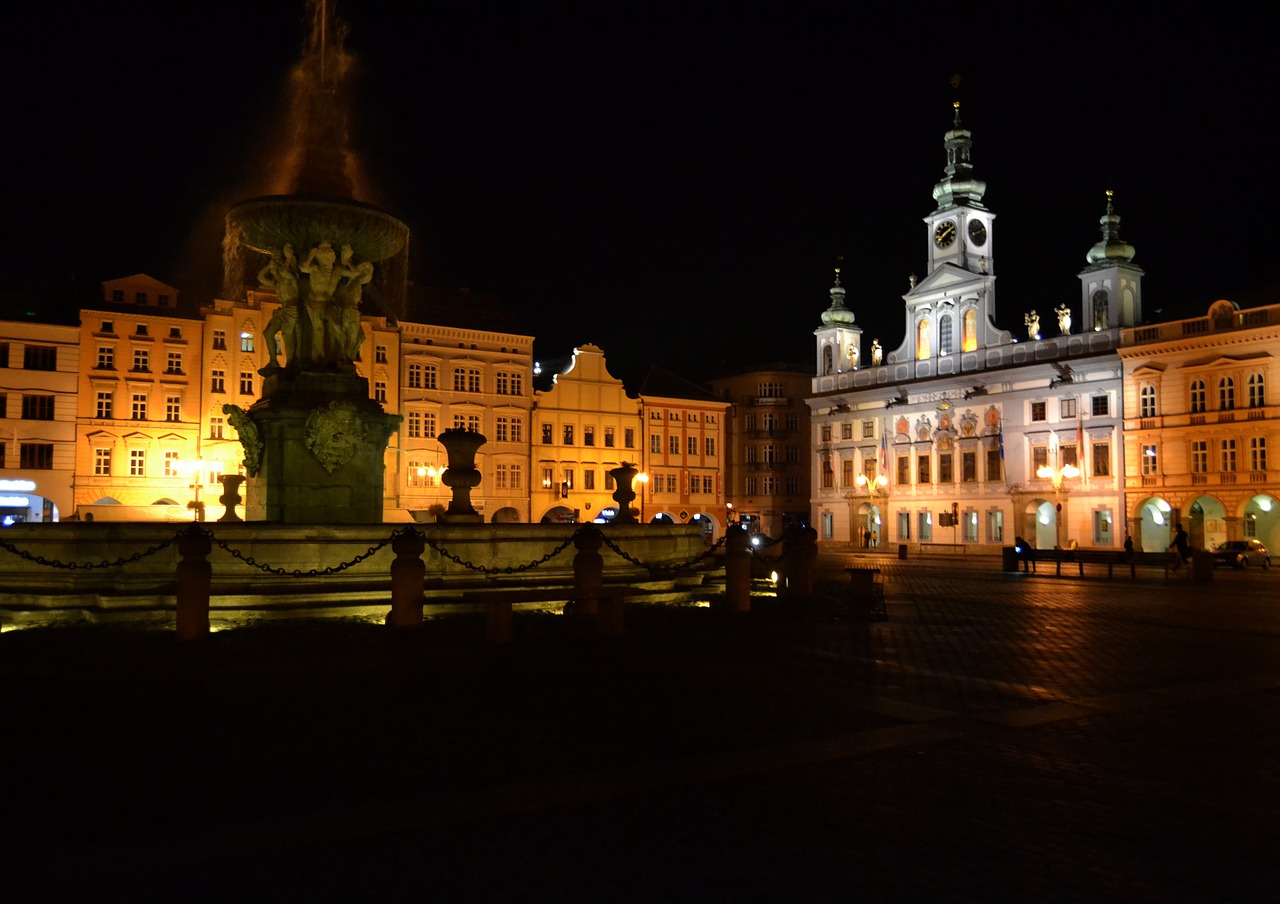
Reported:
(314, 442)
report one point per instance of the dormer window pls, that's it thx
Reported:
(175, 332)
(141, 330)
(108, 327)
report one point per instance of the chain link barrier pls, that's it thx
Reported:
(89, 566)
(298, 572)
(371, 551)
(658, 569)
(507, 569)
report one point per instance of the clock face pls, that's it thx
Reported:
(977, 232)
(945, 234)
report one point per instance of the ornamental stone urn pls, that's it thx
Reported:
(625, 494)
(461, 476)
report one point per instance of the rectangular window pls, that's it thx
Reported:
(672, 483)
(414, 420)
(246, 342)
(547, 438)
(1067, 408)
(547, 478)
(868, 429)
(173, 364)
(969, 467)
(430, 376)
(1102, 459)
(139, 409)
(970, 520)
(1257, 453)
(101, 462)
(219, 340)
(608, 437)
(104, 405)
(846, 431)
(173, 408)
(1102, 535)
(588, 479)
(246, 383)
(1068, 455)
(655, 444)
(924, 523)
(137, 463)
(517, 477)
(37, 407)
(141, 360)
(769, 486)
(428, 424)
(710, 447)
(904, 470)
(693, 445)
(216, 425)
(995, 471)
(1199, 456)
(35, 456)
(473, 380)
(40, 357)
(828, 526)
(923, 474)
(945, 474)
(825, 433)
(500, 476)
(106, 358)
(828, 474)
(995, 527)
(588, 436)
(171, 468)
(1039, 457)
(673, 443)
(846, 472)
(1100, 406)
(629, 437)
(217, 381)
(414, 378)
(379, 391)
(749, 486)
(1149, 459)
(1038, 411)
(1227, 448)
(568, 434)
(380, 354)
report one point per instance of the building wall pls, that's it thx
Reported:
(1201, 424)
(684, 459)
(39, 373)
(584, 426)
(768, 448)
(451, 377)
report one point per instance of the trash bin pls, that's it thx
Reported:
(1009, 558)
(902, 550)
(1201, 566)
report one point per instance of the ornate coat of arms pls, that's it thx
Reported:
(334, 434)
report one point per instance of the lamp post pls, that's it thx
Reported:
(643, 479)
(1056, 476)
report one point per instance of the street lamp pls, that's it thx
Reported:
(642, 478)
(1056, 476)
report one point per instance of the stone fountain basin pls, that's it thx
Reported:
(267, 224)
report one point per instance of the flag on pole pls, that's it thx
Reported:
(884, 455)
(1000, 436)
(1079, 441)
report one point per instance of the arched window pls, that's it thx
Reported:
(922, 338)
(1197, 397)
(826, 359)
(944, 334)
(1226, 394)
(1257, 391)
(969, 341)
(1147, 398)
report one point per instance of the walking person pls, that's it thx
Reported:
(1181, 543)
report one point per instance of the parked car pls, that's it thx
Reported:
(1242, 553)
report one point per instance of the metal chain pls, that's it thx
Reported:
(74, 566)
(509, 569)
(678, 566)
(297, 572)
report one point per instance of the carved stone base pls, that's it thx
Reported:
(323, 445)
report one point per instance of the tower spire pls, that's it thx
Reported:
(1111, 248)
(959, 188)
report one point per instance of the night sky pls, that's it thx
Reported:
(671, 181)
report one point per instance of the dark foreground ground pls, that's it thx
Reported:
(1000, 737)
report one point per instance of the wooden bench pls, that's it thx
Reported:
(1109, 557)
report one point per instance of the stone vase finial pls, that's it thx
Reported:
(230, 497)
(461, 476)
(625, 493)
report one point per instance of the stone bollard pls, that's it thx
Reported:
(408, 572)
(802, 562)
(588, 572)
(737, 570)
(195, 575)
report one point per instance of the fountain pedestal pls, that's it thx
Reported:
(315, 446)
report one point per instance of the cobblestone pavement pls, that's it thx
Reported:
(1000, 737)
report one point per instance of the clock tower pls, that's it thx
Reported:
(960, 229)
